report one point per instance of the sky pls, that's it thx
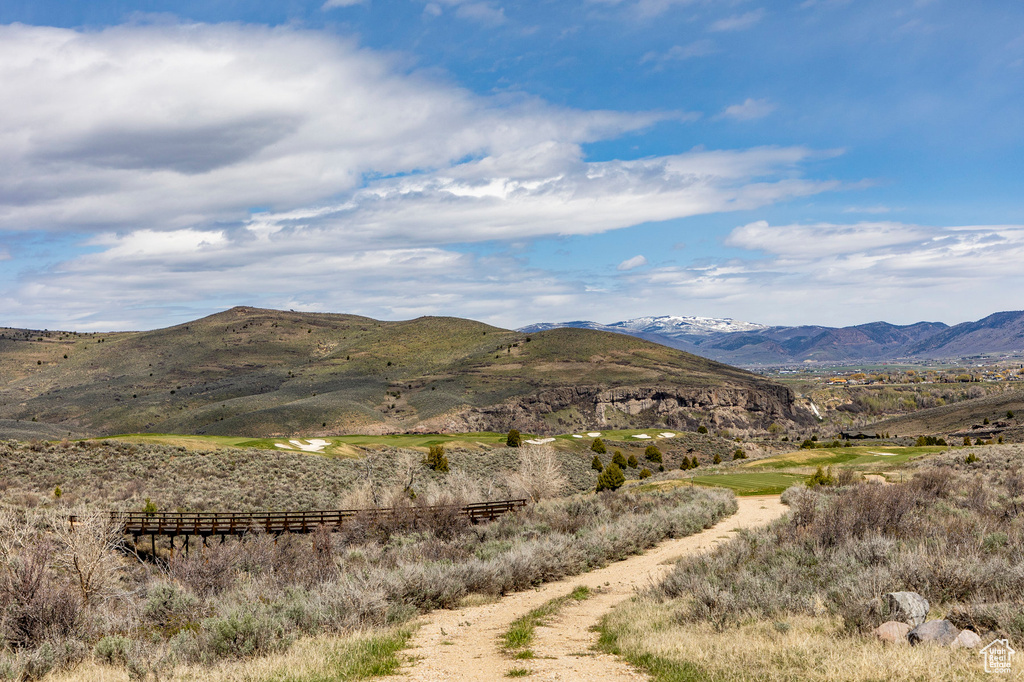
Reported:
(810, 162)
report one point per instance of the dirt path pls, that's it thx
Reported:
(462, 644)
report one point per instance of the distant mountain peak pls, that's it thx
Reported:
(688, 324)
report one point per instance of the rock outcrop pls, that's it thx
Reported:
(634, 407)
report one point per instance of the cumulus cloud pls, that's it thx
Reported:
(749, 110)
(157, 143)
(171, 126)
(738, 22)
(632, 263)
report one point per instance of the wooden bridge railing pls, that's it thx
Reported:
(239, 523)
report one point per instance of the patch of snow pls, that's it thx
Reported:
(814, 409)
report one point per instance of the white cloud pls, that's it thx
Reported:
(632, 263)
(158, 141)
(174, 126)
(847, 274)
(738, 22)
(698, 48)
(749, 110)
(331, 4)
(481, 12)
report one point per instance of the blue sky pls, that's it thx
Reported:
(824, 161)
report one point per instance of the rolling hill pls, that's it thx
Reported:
(267, 372)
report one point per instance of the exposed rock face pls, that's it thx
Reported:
(909, 607)
(636, 406)
(940, 632)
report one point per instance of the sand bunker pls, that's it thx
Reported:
(666, 434)
(311, 445)
(593, 434)
(641, 435)
(576, 435)
(539, 441)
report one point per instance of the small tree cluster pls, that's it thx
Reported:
(971, 458)
(930, 440)
(598, 446)
(653, 454)
(702, 429)
(436, 459)
(821, 477)
(688, 463)
(717, 459)
(739, 454)
(645, 473)
(611, 478)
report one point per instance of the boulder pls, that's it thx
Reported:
(909, 607)
(940, 632)
(967, 639)
(893, 632)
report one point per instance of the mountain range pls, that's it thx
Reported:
(749, 344)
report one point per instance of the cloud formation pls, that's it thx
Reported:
(835, 273)
(632, 263)
(205, 166)
(738, 22)
(749, 110)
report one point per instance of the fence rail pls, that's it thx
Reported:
(205, 524)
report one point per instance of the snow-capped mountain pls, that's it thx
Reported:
(686, 324)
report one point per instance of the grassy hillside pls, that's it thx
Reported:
(266, 372)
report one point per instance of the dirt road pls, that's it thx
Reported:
(462, 644)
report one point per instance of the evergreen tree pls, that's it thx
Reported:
(619, 460)
(436, 459)
(718, 459)
(645, 473)
(652, 454)
(611, 478)
(632, 462)
(596, 464)
(515, 439)
(598, 446)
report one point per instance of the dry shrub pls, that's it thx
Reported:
(538, 475)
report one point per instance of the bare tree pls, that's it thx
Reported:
(539, 474)
(88, 551)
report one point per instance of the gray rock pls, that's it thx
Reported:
(909, 607)
(893, 632)
(940, 632)
(967, 639)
